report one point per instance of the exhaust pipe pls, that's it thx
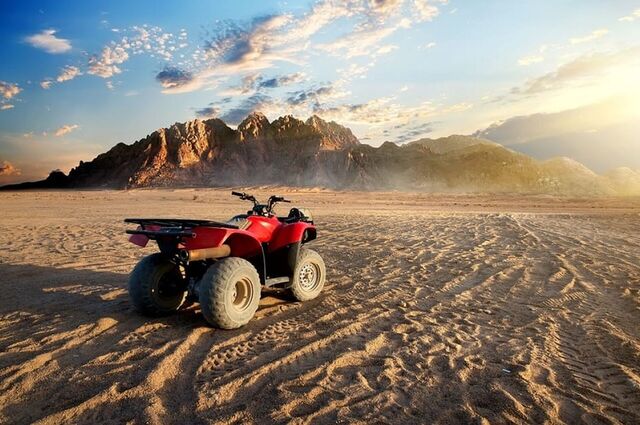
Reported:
(205, 253)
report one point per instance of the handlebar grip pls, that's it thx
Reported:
(237, 193)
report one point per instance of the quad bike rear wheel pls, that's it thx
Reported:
(156, 286)
(229, 293)
(309, 275)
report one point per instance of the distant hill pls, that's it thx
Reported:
(288, 151)
(452, 143)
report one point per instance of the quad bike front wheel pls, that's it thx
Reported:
(156, 286)
(229, 293)
(309, 276)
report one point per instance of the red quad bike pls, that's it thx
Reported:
(223, 265)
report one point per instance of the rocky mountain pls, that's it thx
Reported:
(288, 151)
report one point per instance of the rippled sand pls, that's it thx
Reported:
(446, 309)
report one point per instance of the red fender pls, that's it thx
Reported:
(242, 243)
(291, 233)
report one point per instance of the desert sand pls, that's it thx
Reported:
(437, 309)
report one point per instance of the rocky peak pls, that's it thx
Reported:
(291, 128)
(334, 136)
(255, 126)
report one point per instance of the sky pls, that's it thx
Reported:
(538, 76)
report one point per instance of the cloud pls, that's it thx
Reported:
(253, 103)
(47, 41)
(174, 78)
(246, 47)
(362, 42)
(252, 83)
(138, 40)
(385, 7)
(593, 36)
(530, 60)
(283, 80)
(315, 97)
(240, 48)
(601, 135)
(411, 133)
(208, 112)
(213, 109)
(106, 64)
(583, 68)
(426, 9)
(380, 111)
(9, 90)
(632, 17)
(68, 73)
(429, 45)
(386, 49)
(8, 169)
(65, 129)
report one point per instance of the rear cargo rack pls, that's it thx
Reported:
(177, 223)
(172, 231)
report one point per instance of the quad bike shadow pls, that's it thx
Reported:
(223, 266)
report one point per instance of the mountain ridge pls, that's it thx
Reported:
(290, 151)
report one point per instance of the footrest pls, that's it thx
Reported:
(276, 280)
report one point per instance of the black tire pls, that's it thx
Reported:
(156, 286)
(309, 276)
(229, 293)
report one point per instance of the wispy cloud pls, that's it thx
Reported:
(68, 73)
(47, 41)
(283, 80)
(530, 60)
(534, 58)
(427, 9)
(590, 37)
(65, 129)
(257, 102)
(210, 111)
(5, 106)
(362, 41)
(631, 17)
(151, 40)
(315, 97)
(237, 48)
(578, 70)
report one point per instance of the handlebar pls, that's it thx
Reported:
(257, 207)
(279, 199)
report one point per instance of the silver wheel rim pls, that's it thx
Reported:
(309, 277)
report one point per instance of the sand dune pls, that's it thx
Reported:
(438, 309)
